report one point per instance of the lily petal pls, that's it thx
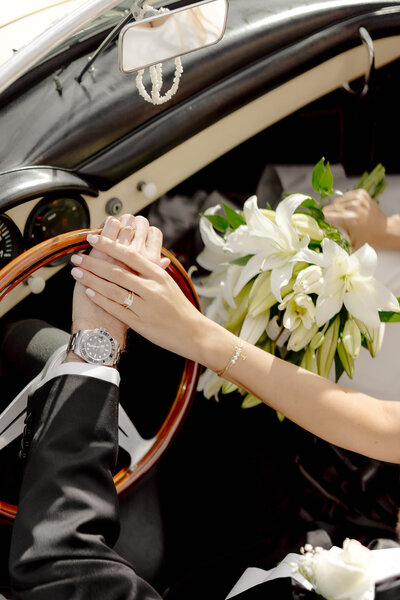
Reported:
(248, 272)
(327, 307)
(280, 277)
(210, 384)
(253, 328)
(367, 258)
(366, 299)
(258, 223)
(284, 212)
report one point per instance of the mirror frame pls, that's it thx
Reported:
(163, 16)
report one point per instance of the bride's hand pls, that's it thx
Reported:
(159, 310)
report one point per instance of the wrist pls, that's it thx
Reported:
(118, 331)
(94, 345)
(216, 345)
(391, 239)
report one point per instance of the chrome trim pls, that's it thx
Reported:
(369, 45)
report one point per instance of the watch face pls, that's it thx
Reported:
(97, 347)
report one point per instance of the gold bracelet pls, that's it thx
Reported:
(236, 353)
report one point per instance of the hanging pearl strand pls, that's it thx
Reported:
(157, 82)
(156, 72)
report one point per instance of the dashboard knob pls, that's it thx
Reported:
(36, 284)
(149, 190)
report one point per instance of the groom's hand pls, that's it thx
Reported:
(85, 315)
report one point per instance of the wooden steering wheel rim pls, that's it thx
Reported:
(41, 254)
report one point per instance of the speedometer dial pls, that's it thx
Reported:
(11, 242)
(53, 217)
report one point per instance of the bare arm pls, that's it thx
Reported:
(161, 313)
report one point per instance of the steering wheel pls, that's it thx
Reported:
(143, 453)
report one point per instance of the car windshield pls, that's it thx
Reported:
(20, 24)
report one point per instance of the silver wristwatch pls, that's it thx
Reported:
(95, 346)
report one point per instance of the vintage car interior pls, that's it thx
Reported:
(220, 487)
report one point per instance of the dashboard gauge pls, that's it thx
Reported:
(52, 217)
(11, 241)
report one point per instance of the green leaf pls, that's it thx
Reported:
(317, 173)
(309, 203)
(322, 179)
(314, 212)
(389, 317)
(242, 261)
(217, 221)
(234, 219)
(326, 179)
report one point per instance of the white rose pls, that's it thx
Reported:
(344, 574)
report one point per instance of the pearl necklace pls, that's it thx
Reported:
(156, 70)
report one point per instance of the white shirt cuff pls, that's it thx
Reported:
(57, 368)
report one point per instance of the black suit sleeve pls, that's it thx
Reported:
(67, 521)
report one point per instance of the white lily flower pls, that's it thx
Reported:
(351, 338)
(300, 309)
(374, 336)
(274, 246)
(260, 297)
(300, 337)
(309, 280)
(210, 384)
(349, 280)
(254, 327)
(326, 351)
(375, 343)
(309, 361)
(306, 225)
(219, 286)
(237, 315)
(274, 328)
(214, 253)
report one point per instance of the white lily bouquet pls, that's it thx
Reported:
(290, 283)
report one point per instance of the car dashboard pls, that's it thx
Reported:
(79, 153)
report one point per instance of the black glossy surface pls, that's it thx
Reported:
(24, 184)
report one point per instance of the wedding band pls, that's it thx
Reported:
(127, 232)
(128, 300)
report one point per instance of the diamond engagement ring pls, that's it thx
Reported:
(128, 300)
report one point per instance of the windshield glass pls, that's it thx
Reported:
(21, 23)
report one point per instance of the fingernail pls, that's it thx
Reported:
(76, 259)
(90, 292)
(77, 273)
(92, 239)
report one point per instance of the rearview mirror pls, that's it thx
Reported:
(168, 35)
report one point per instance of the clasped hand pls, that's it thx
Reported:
(116, 266)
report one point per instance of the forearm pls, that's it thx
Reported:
(346, 418)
